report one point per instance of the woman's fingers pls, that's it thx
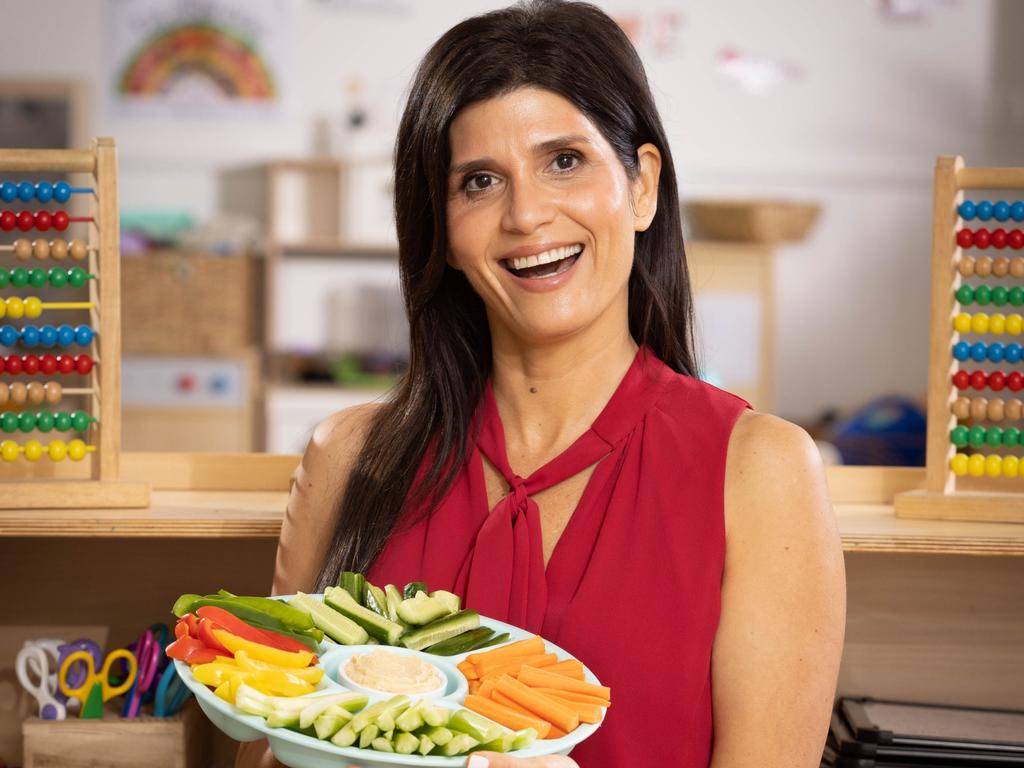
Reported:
(498, 760)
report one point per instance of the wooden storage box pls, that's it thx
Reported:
(186, 302)
(761, 221)
(182, 741)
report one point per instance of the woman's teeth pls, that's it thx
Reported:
(555, 254)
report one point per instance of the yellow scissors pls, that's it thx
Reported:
(92, 703)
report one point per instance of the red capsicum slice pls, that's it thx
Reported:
(239, 628)
(206, 636)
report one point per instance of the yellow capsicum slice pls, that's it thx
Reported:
(224, 691)
(279, 683)
(217, 672)
(309, 674)
(233, 643)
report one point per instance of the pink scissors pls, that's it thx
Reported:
(148, 652)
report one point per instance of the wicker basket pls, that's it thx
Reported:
(761, 221)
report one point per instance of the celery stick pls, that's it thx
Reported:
(425, 745)
(439, 735)
(329, 723)
(433, 715)
(367, 735)
(345, 737)
(410, 720)
(480, 728)
(460, 744)
(406, 743)
(524, 738)
(382, 745)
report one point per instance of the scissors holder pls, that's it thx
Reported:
(181, 741)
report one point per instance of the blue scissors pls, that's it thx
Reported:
(171, 693)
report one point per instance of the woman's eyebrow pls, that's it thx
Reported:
(538, 149)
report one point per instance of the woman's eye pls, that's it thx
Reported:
(566, 161)
(478, 182)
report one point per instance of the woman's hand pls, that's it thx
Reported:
(498, 760)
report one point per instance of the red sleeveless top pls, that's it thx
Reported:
(632, 587)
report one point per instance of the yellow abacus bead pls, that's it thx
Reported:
(959, 464)
(976, 465)
(1014, 324)
(997, 324)
(979, 323)
(57, 450)
(33, 307)
(76, 450)
(15, 308)
(962, 323)
(993, 465)
(1011, 466)
(33, 450)
(9, 450)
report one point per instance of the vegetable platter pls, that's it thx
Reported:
(380, 677)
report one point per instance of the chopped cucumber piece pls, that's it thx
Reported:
(453, 601)
(394, 599)
(376, 625)
(336, 626)
(412, 588)
(461, 643)
(374, 599)
(352, 583)
(442, 629)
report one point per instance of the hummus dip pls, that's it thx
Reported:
(392, 672)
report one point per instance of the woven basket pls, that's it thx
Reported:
(761, 221)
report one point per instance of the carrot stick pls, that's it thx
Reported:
(501, 698)
(541, 678)
(505, 716)
(543, 706)
(569, 668)
(513, 665)
(588, 713)
(486, 686)
(584, 698)
(474, 686)
(556, 733)
(528, 647)
(468, 670)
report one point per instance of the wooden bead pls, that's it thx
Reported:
(19, 393)
(983, 266)
(78, 251)
(966, 266)
(36, 393)
(996, 409)
(53, 392)
(1017, 267)
(41, 249)
(58, 249)
(5, 393)
(962, 408)
(1013, 408)
(1001, 266)
(22, 249)
(979, 408)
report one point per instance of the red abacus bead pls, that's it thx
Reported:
(979, 379)
(965, 238)
(961, 380)
(8, 221)
(13, 365)
(60, 221)
(30, 365)
(43, 220)
(1016, 239)
(83, 364)
(26, 221)
(996, 380)
(999, 238)
(48, 365)
(65, 363)
(1015, 381)
(982, 238)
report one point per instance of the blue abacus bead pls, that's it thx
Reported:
(26, 191)
(996, 352)
(985, 210)
(978, 350)
(8, 335)
(1001, 210)
(1017, 211)
(61, 191)
(8, 191)
(962, 351)
(84, 335)
(44, 192)
(1013, 352)
(47, 336)
(968, 210)
(29, 336)
(65, 335)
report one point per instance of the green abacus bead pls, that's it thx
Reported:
(44, 421)
(976, 437)
(19, 277)
(26, 421)
(9, 422)
(58, 277)
(958, 436)
(62, 421)
(1000, 295)
(1017, 295)
(77, 277)
(994, 437)
(1011, 436)
(5, 277)
(965, 294)
(982, 295)
(37, 278)
(80, 421)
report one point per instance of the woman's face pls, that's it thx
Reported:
(542, 215)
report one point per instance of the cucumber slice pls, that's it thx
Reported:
(374, 599)
(496, 640)
(406, 743)
(421, 609)
(461, 643)
(394, 599)
(412, 588)
(374, 624)
(453, 601)
(442, 629)
(353, 583)
(337, 626)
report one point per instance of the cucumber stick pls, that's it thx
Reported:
(442, 629)
(335, 625)
(374, 624)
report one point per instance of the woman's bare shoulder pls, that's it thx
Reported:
(334, 446)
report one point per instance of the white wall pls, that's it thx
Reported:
(858, 131)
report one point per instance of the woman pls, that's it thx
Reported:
(550, 455)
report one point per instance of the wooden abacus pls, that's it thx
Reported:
(24, 482)
(972, 472)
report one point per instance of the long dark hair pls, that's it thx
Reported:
(577, 51)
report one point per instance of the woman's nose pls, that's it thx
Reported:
(529, 205)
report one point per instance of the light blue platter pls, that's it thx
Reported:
(297, 750)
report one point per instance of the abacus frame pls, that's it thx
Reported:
(945, 496)
(104, 488)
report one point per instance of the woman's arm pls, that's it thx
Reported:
(309, 521)
(776, 655)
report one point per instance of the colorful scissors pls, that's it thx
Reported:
(35, 660)
(171, 693)
(96, 688)
(148, 652)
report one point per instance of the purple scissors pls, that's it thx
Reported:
(147, 652)
(78, 672)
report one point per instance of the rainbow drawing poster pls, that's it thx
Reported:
(197, 56)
